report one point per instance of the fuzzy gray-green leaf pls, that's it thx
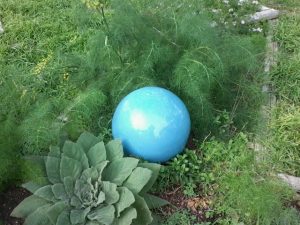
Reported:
(97, 154)
(38, 217)
(75, 151)
(143, 212)
(138, 179)
(93, 223)
(87, 140)
(111, 193)
(101, 197)
(119, 170)
(126, 217)
(154, 202)
(59, 191)
(155, 168)
(78, 216)
(104, 215)
(75, 201)
(70, 168)
(31, 186)
(100, 167)
(114, 150)
(55, 210)
(28, 206)
(64, 218)
(52, 169)
(54, 151)
(69, 185)
(45, 193)
(90, 173)
(126, 199)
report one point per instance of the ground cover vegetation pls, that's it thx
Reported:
(66, 65)
(286, 77)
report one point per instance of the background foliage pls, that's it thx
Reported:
(67, 75)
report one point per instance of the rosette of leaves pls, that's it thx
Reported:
(91, 183)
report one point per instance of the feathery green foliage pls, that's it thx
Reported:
(91, 183)
(97, 54)
(176, 48)
(10, 157)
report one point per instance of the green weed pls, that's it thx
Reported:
(181, 218)
(186, 169)
(287, 33)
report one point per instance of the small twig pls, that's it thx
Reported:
(174, 191)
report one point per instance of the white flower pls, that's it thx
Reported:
(255, 2)
(257, 29)
(226, 1)
(241, 2)
(230, 10)
(215, 10)
(214, 24)
(243, 22)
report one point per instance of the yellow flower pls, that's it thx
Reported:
(42, 65)
(66, 76)
(92, 4)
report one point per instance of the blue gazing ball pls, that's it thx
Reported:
(152, 123)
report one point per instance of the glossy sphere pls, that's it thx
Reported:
(152, 123)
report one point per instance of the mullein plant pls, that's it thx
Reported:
(91, 183)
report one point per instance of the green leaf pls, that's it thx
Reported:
(75, 201)
(155, 168)
(97, 154)
(93, 223)
(157, 220)
(118, 170)
(126, 217)
(154, 202)
(75, 151)
(69, 186)
(91, 173)
(100, 167)
(63, 218)
(59, 191)
(54, 152)
(38, 217)
(79, 215)
(143, 212)
(111, 193)
(126, 199)
(70, 168)
(53, 169)
(138, 179)
(32, 187)
(45, 193)
(104, 215)
(55, 210)
(87, 140)
(28, 206)
(114, 150)
(101, 197)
